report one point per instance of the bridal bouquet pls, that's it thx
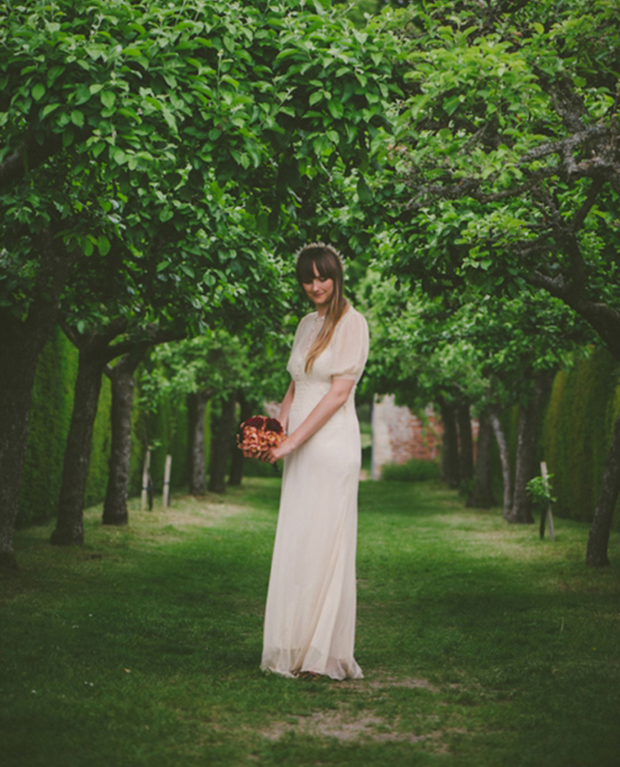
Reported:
(258, 434)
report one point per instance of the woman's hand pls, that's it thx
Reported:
(280, 451)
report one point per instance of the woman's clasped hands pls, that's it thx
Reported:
(279, 451)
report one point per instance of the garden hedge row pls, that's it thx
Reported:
(576, 432)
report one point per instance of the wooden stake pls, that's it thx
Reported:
(548, 513)
(145, 480)
(166, 496)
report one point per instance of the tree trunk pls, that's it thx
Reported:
(21, 343)
(122, 379)
(238, 459)
(96, 350)
(526, 466)
(482, 493)
(466, 442)
(608, 496)
(220, 445)
(196, 406)
(502, 446)
(449, 445)
(69, 523)
(19, 354)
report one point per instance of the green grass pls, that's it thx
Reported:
(481, 645)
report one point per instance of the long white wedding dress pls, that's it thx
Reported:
(311, 603)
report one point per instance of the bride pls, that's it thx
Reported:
(310, 612)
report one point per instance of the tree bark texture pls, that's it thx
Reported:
(196, 406)
(19, 354)
(21, 343)
(69, 522)
(449, 445)
(598, 539)
(482, 494)
(526, 465)
(502, 446)
(466, 442)
(122, 379)
(238, 459)
(221, 441)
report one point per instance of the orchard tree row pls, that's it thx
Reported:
(151, 157)
(158, 161)
(504, 200)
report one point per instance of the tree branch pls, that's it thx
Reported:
(604, 319)
(581, 215)
(149, 336)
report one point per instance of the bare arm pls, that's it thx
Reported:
(324, 410)
(286, 405)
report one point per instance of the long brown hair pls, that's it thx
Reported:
(329, 266)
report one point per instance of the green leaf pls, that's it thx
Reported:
(54, 73)
(363, 191)
(108, 98)
(48, 109)
(38, 91)
(336, 109)
(188, 270)
(77, 118)
(103, 244)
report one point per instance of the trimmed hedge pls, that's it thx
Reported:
(49, 426)
(578, 424)
(413, 470)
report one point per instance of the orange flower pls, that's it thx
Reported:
(258, 434)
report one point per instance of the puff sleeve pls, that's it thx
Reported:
(350, 346)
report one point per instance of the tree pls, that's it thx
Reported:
(214, 365)
(509, 172)
(463, 349)
(110, 130)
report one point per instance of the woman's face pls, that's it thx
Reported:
(320, 290)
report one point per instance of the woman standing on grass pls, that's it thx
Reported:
(310, 612)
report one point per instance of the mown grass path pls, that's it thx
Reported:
(481, 645)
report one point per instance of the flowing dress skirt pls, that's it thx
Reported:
(311, 604)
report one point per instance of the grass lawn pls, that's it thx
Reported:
(481, 645)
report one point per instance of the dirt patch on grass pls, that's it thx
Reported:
(342, 726)
(380, 681)
(408, 682)
(188, 513)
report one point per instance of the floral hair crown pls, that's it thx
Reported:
(324, 246)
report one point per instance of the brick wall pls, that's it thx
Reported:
(399, 435)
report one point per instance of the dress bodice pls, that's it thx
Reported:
(344, 357)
